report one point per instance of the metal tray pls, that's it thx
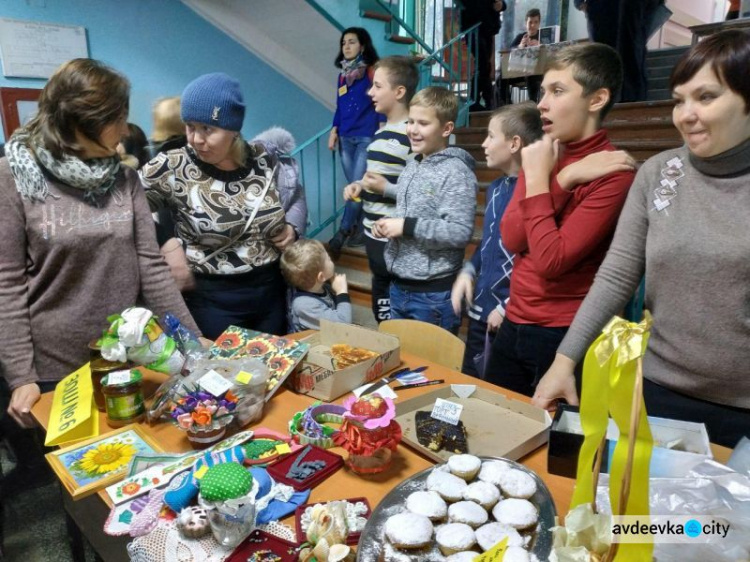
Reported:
(372, 543)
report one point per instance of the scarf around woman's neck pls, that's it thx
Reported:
(353, 70)
(28, 160)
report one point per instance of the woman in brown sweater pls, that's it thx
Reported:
(78, 240)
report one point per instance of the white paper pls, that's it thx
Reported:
(119, 377)
(447, 411)
(385, 391)
(463, 390)
(214, 383)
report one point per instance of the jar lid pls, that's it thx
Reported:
(101, 364)
(119, 380)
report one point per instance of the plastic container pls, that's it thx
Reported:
(123, 397)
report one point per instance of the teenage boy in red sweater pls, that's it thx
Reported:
(561, 218)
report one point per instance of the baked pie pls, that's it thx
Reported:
(345, 355)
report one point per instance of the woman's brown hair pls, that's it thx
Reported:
(82, 95)
(728, 53)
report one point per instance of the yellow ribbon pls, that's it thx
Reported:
(609, 373)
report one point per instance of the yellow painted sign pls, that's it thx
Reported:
(495, 554)
(74, 415)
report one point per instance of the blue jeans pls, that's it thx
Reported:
(353, 152)
(433, 308)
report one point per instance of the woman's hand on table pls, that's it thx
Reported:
(558, 382)
(21, 402)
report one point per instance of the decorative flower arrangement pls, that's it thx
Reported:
(198, 409)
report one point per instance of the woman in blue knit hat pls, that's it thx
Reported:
(222, 194)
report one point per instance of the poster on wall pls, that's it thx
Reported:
(31, 49)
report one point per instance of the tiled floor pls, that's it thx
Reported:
(34, 524)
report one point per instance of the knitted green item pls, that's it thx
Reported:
(225, 482)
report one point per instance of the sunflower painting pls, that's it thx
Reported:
(94, 464)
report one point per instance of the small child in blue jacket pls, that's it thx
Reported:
(486, 276)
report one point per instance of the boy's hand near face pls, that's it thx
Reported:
(595, 166)
(388, 228)
(538, 160)
(352, 191)
(339, 284)
(374, 182)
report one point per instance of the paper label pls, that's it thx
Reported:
(463, 390)
(495, 554)
(283, 448)
(342, 90)
(119, 377)
(213, 383)
(447, 411)
(243, 377)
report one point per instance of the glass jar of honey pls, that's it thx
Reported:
(123, 397)
(100, 368)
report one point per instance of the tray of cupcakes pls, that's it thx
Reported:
(457, 510)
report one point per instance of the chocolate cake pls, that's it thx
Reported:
(437, 435)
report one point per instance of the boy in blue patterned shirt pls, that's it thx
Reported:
(393, 85)
(487, 275)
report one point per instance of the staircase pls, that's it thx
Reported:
(659, 65)
(643, 129)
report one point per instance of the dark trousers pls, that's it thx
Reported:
(485, 56)
(521, 354)
(726, 425)
(635, 18)
(474, 346)
(381, 279)
(255, 300)
(601, 17)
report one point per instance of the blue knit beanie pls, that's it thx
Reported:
(214, 99)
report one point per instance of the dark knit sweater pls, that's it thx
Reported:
(695, 252)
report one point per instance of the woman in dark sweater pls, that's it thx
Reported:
(685, 226)
(222, 195)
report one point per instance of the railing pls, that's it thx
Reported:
(321, 215)
(442, 64)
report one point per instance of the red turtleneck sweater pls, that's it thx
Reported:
(560, 238)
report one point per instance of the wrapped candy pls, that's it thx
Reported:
(369, 433)
(135, 335)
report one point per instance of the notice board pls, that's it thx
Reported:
(31, 49)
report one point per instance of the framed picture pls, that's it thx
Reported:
(85, 468)
(17, 106)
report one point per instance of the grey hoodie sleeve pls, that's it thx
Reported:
(309, 311)
(456, 209)
(296, 208)
(391, 190)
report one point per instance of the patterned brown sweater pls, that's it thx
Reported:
(65, 266)
(211, 208)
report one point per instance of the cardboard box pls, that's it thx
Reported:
(316, 375)
(496, 426)
(678, 445)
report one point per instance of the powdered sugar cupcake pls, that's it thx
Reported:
(464, 466)
(519, 514)
(468, 512)
(517, 484)
(451, 488)
(429, 504)
(409, 530)
(492, 472)
(454, 537)
(492, 533)
(483, 493)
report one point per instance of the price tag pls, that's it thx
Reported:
(283, 449)
(447, 411)
(495, 554)
(213, 383)
(119, 377)
(243, 377)
(200, 472)
(342, 90)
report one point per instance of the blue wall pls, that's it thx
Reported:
(161, 45)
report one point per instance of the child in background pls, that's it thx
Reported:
(559, 223)
(434, 217)
(308, 269)
(354, 124)
(393, 86)
(487, 275)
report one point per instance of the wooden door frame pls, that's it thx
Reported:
(9, 98)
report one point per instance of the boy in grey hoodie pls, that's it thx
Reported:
(434, 219)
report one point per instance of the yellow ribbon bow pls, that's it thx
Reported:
(625, 338)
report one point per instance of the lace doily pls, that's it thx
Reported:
(166, 543)
(355, 519)
(279, 530)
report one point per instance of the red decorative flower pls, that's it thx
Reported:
(279, 364)
(227, 341)
(131, 488)
(256, 349)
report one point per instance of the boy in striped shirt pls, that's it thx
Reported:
(393, 85)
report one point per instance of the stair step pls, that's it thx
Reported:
(373, 15)
(659, 71)
(657, 95)
(395, 38)
(661, 83)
